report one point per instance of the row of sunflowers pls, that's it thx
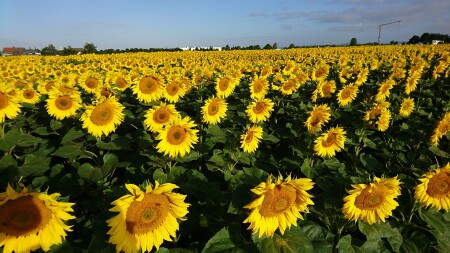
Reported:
(343, 128)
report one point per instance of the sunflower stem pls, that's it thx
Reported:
(2, 130)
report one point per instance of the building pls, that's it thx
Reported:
(13, 51)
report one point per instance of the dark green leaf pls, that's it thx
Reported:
(89, 172)
(10, 139)
(34, 165)
(270, 139)
(69, 151)
(293, 241)
(72, 134)
(220, 242)
(368, 143)
(439, 152)
(434, 220)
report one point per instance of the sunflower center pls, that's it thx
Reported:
(4, 101)
(249, 137)
(288, 85)
(28, 94)
(319, 72)
(213, 108)
(345, 94)
(148, 85)
(121, 83)
(148, 214)
(161, 116)
(102, 114)
(442, 128)
(439, 185)
(257, 87)
(172, 88)
(224, 83)
(63, 103)
(326, 89)
(259, 107)
(277, 201)
(23, 216)
(370, 200)
(330, 140)
(176, 135)
(91, 82)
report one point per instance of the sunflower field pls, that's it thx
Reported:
(333, 149)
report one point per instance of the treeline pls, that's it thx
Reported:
(427, 38)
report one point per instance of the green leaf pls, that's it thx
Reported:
(368, 143)
(36, 165)
(270, 139)
(72, 134)
(307, 170)
(345, 245)
(220, 242)
(293, 241)
(43, 130)
(27, 140)
(160, 176)
(55, 124)
(10, 139)
(110, 162)
(409, 246)
(371, 163)
(89, 172)
(217, 134)
(69, 151)
(434, 219)
(333, 163)
(375, 232)
(439, 152)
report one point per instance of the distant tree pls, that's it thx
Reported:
(291, 45)
(49, 50)
(275, 45)
(425, 38)
(267, 46)
(68, 51)
(414, 40)
(353, 42)
(89, 48)
(393, 42)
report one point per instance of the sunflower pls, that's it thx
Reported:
(177, 138)
(260, 110)
(250, 140)
(442, 129)
(380, 115)
(63, 105)
(288, 86)
(103, 117)
(319, 116)
(214, 110)
(347, 94)
(150, 88)
(91, 81)
(411, 83)
(9, 104)
(278, 205)
(225, 86)
(320, 73)
(326, 88)
(384, 90)
(407, 107)
(434, 189)
(160, 116)
(32, 220)
(372, 202)
(146, 218)
(362, 77)
(330, 142)
(29, 96)
(259, 88)
(174, 90)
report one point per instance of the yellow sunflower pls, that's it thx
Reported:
(362, 77)
(32, 220)
(225, 86)
(9, 105)
(434, 189)
(372, 202)
(150, 88)
(347, 94)
(411, 83)
(260, 110)
(174, 90)
(91, 81)
(250, 140)
(103, 117)
(330, 142)
(177, 138)
(146, 218)
(384, 90)
(407, 107)
(319, 116)
(326, 88)
(442, 129)
(320, 73)
(278, 205)
(259, 88)
(214, 110)
(288, 86)
(160, 116)
(29, 96)
(63, 105)
(380, 115)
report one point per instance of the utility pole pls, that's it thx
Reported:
(379, 30)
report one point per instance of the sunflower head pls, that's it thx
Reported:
(278, 205)
(177, 138)
(434, 189)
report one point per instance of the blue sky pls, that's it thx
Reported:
(121, 24)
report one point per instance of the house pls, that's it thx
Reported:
(13, 51)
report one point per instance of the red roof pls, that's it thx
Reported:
(10, 50)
